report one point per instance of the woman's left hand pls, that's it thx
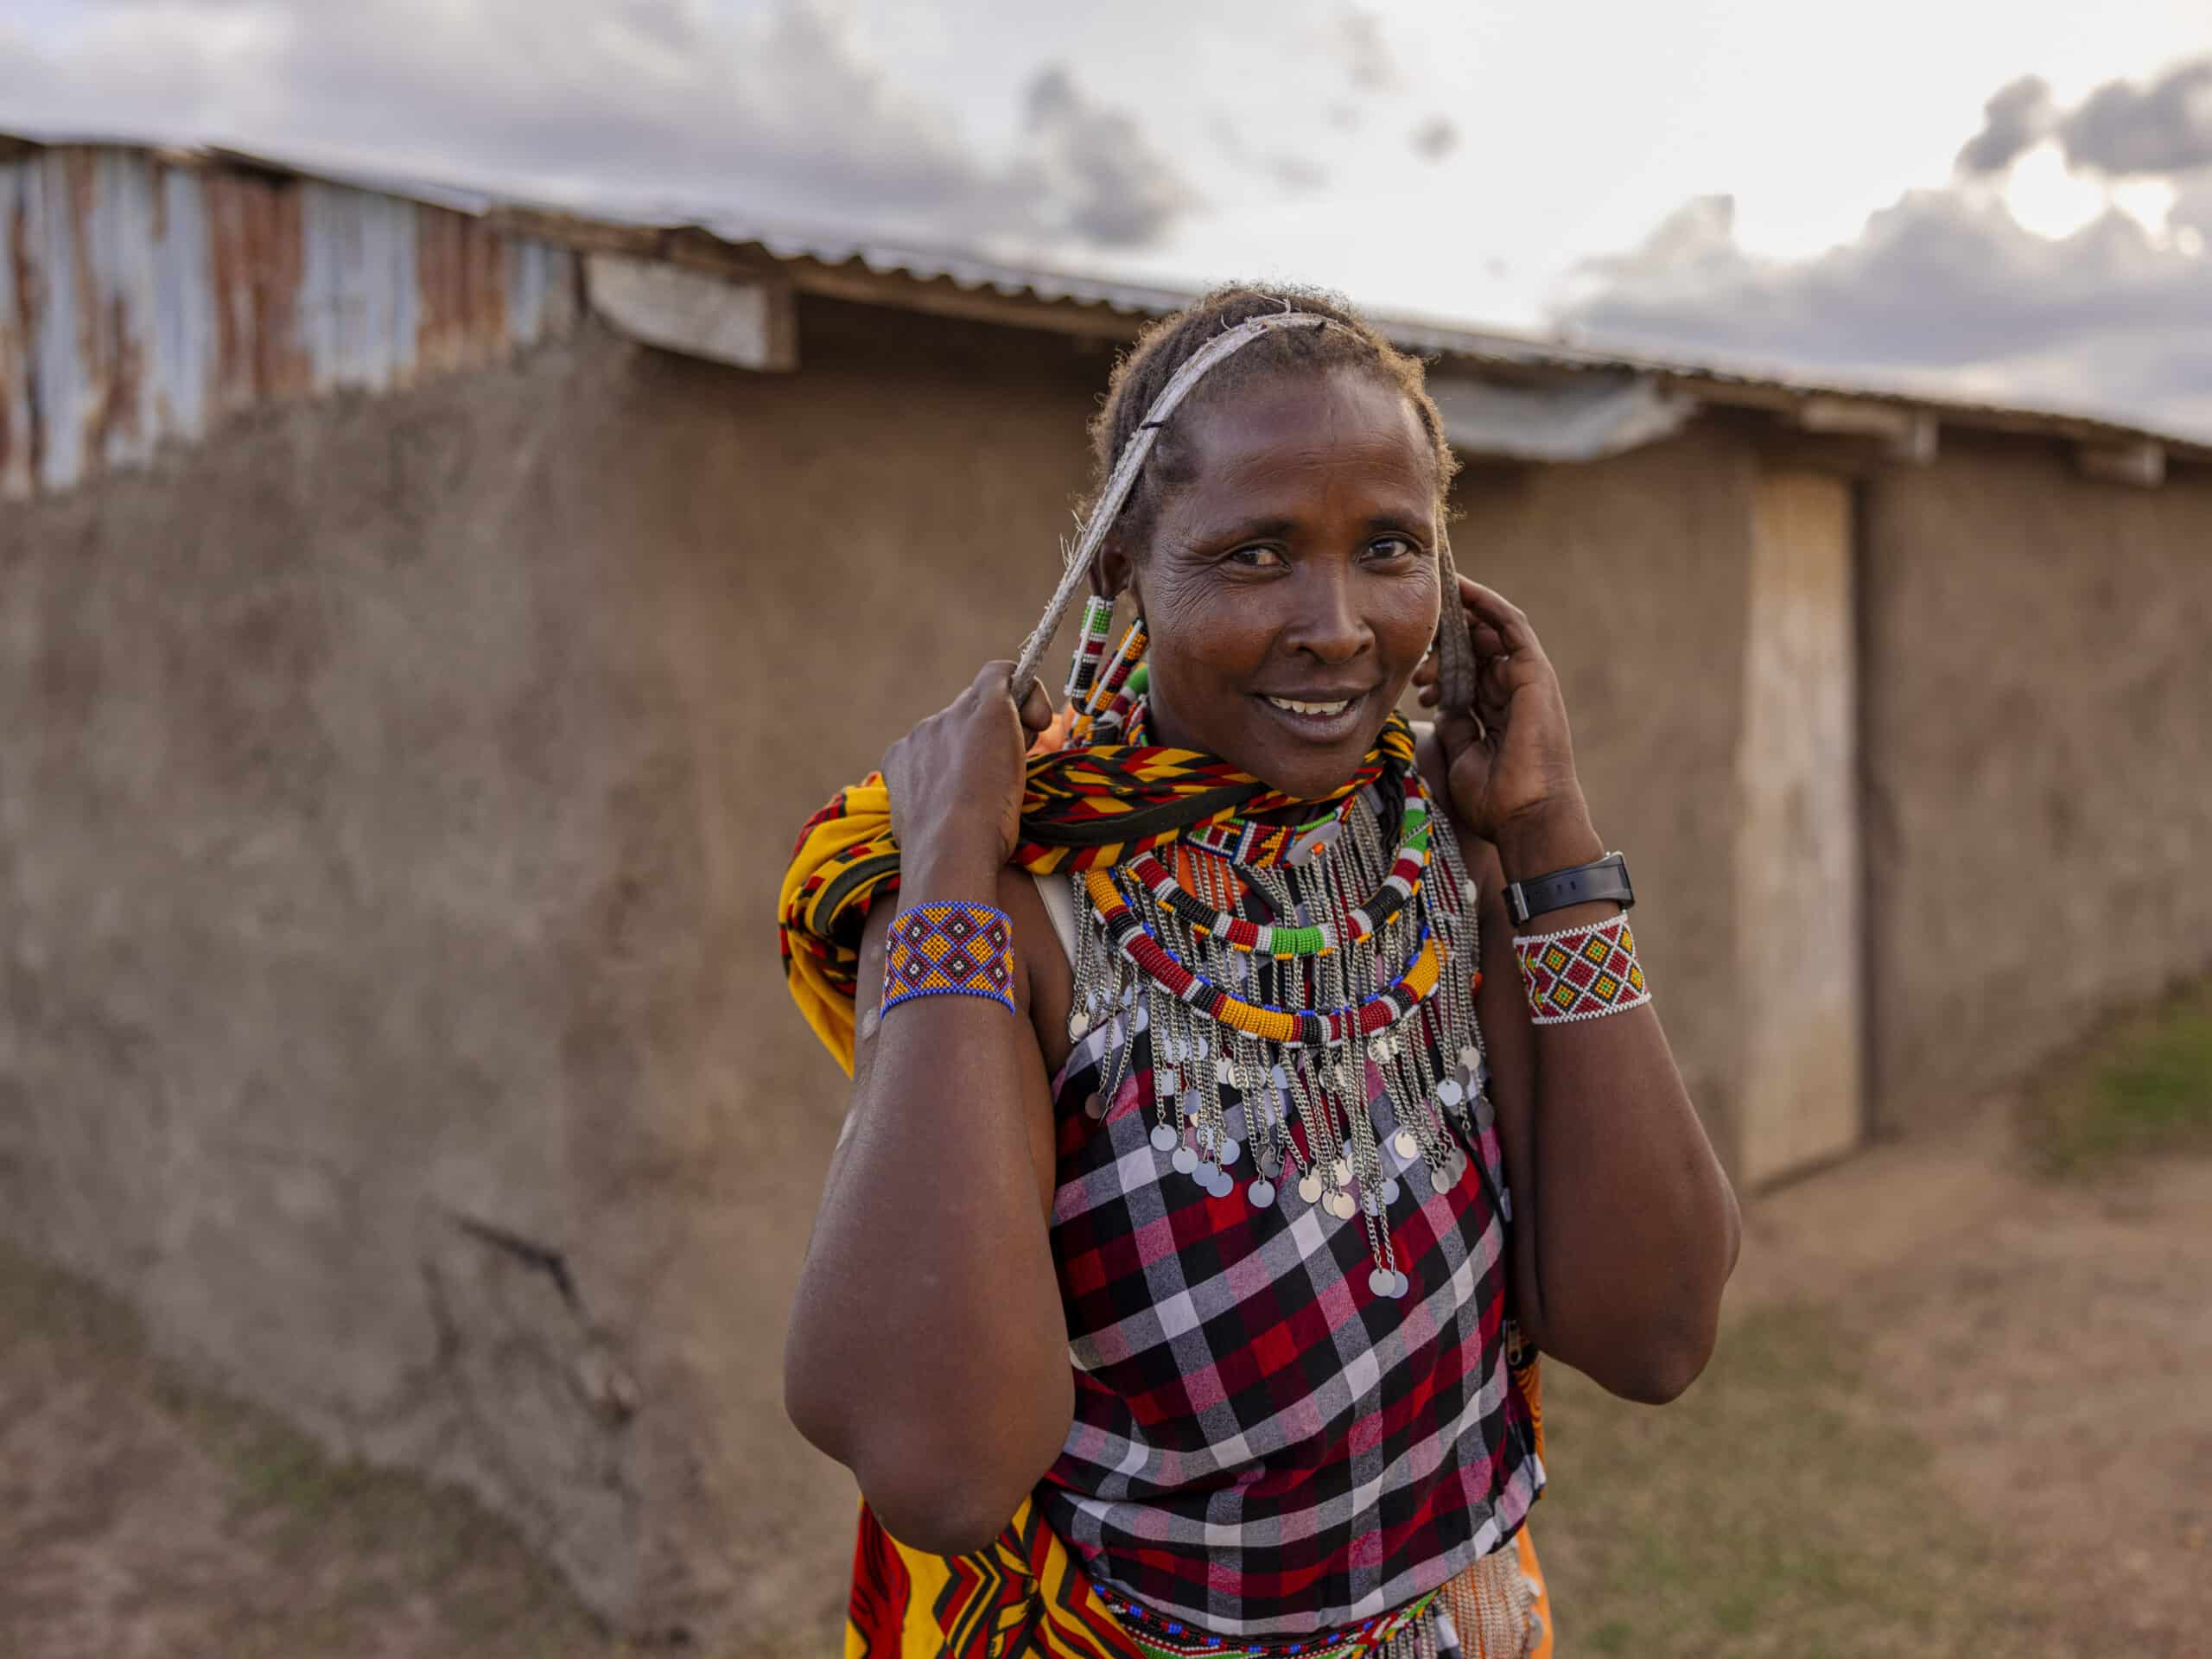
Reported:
(1512, 759)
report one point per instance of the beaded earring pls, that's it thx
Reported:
(1090, 648)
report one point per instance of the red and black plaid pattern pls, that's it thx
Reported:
(1261, 1444)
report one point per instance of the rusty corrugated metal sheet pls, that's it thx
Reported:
(262, 279)
(144, 295)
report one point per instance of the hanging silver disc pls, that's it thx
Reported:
(1261, 1193)
(1390, 1190)
(1186, 1160)
(1309, 1187)
(1382, 1283)
(1163, 1138)
(1407, 1142)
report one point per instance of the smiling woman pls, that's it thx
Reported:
(1195, 1308)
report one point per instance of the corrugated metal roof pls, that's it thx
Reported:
(147, 290)
(1095, 304)
(144, 295)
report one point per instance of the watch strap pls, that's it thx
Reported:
(1605, 879)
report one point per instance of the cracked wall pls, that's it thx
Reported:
(392, 792)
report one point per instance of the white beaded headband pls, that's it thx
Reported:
(1454, 649)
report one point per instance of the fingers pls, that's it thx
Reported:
(993, 684)
(1502, 617)
(1036, 708)
(1456, 728)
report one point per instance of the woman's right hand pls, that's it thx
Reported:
(956, 780)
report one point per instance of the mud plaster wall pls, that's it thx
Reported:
(1635, 574)
(2038, 754)
(391, 794)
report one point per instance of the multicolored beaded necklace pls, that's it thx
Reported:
(1336, 1020)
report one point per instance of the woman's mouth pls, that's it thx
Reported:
(1322, 718)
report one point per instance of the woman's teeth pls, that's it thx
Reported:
(1319, 709)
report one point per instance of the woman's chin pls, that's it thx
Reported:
(1311, 768)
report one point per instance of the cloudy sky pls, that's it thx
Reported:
(2009, 200)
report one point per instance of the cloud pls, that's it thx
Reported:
(2014, 121)
(1295, 174)
(2191, 210)
(1106, 183)
(2126, 130)
(1370, 63)
(778, 116)
(1436, 137)
(1945, 290)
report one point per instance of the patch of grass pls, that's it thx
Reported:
(1777, 1509)
(2144, 1084)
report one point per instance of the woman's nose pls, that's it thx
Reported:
(1327, 624)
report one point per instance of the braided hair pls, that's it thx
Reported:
(1166, 344)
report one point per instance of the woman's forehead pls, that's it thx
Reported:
(1312, 430)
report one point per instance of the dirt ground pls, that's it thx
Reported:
(1958, 1409)
(2051, 1343)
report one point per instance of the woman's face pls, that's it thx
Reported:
(1290, 585)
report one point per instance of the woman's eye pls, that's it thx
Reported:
(1392, 547)
(1256, 558)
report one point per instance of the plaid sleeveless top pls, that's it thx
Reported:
(1261, 1444)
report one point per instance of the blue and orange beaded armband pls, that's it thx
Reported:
(953, 949)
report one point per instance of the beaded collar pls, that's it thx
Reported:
(1335, 1022)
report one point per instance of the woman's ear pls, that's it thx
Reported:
(1113, 570)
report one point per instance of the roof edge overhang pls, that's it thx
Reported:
(1901, 423)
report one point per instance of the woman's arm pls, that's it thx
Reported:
(928, 1350)
(1624, 1230)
